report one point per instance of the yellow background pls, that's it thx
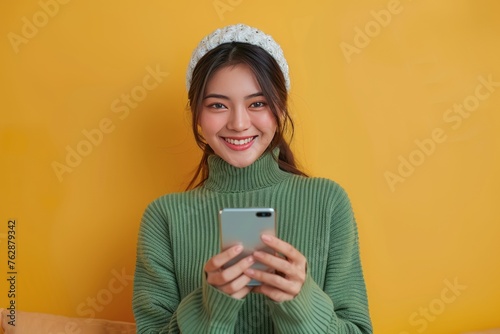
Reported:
(356, 117)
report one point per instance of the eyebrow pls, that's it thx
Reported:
(224, 97)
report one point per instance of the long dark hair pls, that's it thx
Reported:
(271, 81)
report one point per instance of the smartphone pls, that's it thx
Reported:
(245, 226)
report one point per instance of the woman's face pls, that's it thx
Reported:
(235, 119)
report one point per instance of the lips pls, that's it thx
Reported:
(241, 143)
(238, 142)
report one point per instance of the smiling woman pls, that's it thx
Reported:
(265, 80)
(238, 88)
(236, 120)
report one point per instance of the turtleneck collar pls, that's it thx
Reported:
(264, 172)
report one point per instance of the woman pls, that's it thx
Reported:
(238, 85)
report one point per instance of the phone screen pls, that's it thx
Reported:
(245, 226)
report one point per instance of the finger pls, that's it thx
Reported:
(275, 294)
(237, 288)
(276, 281)
(242, 293)
(217, 261)
(285, 250)
(222, 277)
(275, 263)
(280, 246)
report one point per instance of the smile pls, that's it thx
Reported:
(239, 142)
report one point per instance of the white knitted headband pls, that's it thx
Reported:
(238, 33)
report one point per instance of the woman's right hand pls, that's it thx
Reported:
(229, 280)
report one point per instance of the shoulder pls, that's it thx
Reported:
(170, 198)
(166, 203)
(319, 184)
(161, 212)
(327, 193)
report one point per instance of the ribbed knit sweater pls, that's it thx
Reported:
(179, 232)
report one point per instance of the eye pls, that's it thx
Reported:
(258, 105)
(217, 106)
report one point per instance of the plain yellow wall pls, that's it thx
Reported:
(398, 101)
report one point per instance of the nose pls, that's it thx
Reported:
(239, 119)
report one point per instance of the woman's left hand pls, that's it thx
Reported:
(289, 272)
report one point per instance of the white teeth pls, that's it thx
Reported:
(239, 142)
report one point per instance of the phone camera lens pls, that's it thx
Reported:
(263, 214)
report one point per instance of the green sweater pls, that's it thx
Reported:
(179, 232)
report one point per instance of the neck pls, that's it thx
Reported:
(264, 172)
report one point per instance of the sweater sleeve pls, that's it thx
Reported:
(342, 306)
(157, 305)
